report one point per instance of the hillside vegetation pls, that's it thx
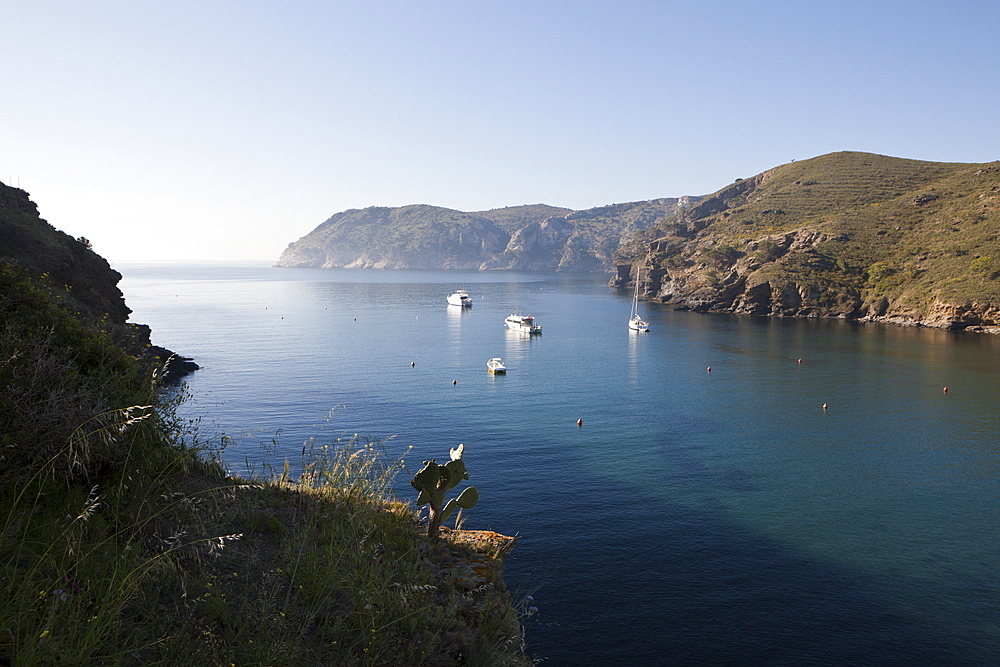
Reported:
(526, 238)
(850, 235)
(122, 540)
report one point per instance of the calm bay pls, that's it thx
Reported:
(697, 517)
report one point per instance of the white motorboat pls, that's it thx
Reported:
(522, 323)
(495, 365)
(636, 323)
(460, 298)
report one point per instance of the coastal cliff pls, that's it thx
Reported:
(78, 277)
(88, 283)
(846, 235)
(518, 238)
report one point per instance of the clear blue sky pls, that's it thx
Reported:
(225, 130)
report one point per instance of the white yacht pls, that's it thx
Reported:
(638, 324)
(460, 298)
(495, 365)
(522, 323)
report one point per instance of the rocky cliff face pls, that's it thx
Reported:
(524, 238)
(83, 280)
(89, 282)
(850, 235)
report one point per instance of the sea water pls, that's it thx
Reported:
(707, 510)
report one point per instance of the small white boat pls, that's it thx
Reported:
(495, 365)
(460, 298)
(522, 323)
(636, 323)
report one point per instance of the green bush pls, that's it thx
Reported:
(768, 251)
(879, 271)
(985, 266)
(63, 380)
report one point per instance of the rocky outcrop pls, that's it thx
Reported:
(968, 316)
(750, 280)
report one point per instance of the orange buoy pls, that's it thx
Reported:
(579, 422)
(945, 390)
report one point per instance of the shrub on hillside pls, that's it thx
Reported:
(61, 379)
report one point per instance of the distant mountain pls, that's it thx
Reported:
(848, 235)
(527, 238)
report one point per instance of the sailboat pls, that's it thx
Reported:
(636, 323)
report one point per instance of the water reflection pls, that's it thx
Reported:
(633, 355)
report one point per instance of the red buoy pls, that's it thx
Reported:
(579, 422)
(708, 370)
(824, 406)
(945, 390)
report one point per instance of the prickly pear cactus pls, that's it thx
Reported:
(434, 480)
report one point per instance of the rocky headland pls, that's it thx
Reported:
(518, 238)
(848, 235)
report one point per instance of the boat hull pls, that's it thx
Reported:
(637, 324)
(496, 366)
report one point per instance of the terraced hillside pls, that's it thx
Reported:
(850, 235)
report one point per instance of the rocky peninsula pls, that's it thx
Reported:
(848, 235)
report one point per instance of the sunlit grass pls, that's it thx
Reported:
(190, 567)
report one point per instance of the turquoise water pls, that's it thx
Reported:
(696, 517)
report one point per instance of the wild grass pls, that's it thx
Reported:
(191, 567)
(122, 540)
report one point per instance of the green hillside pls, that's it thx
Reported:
(848, 234)
(122, 541)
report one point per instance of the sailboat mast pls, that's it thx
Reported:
(635, 297)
